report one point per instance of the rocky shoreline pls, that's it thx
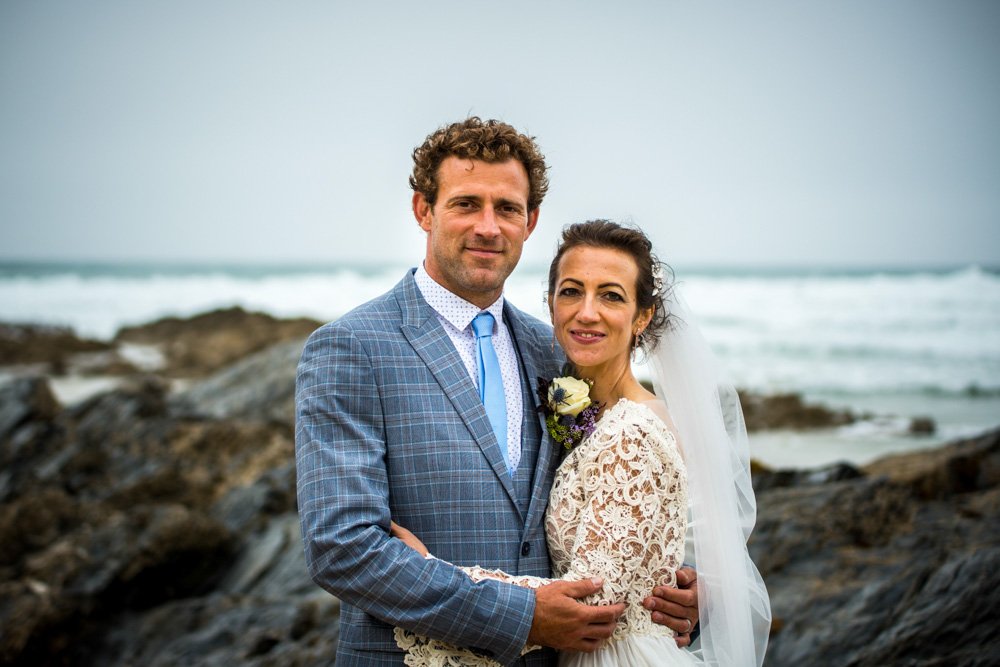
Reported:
(154, 524)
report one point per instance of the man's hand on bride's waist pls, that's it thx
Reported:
(562, 622)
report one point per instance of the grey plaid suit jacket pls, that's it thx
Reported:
(389, 425)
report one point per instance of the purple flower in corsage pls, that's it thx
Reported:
(570, 415)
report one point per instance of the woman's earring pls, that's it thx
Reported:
(636, 342)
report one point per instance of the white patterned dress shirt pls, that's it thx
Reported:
(456, 315)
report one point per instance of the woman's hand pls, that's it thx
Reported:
(677, 608)
(408, 538)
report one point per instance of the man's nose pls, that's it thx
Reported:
(487, 225)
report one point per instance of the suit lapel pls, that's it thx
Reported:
(531, 356)
(431, 343)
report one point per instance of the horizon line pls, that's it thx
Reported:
(331, 263)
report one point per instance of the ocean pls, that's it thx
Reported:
(895, 343)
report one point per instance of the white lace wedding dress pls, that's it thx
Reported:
(618, 511)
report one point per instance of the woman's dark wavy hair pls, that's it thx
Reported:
(475, 139)
(632, 241)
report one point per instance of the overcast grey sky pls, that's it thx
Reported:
(852, 132)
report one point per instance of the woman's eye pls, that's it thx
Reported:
(568, 291)
(613, 296)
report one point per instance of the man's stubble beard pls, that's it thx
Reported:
(463, 274)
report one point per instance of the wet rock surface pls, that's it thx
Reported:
(155, 525)
(115, 509)
(789, 411)
(895, 565)
(48, 347)
(261, 386)
(200, 345)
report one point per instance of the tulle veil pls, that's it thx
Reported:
(734, 608)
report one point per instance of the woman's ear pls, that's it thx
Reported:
(645, 317)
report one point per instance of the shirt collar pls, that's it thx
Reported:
(455, 310)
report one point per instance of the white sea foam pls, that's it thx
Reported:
(918, 332)
(99, 306)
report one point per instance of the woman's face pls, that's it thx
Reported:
(594, 308)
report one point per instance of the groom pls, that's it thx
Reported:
(391, 425)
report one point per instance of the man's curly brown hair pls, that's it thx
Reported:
(475, 139)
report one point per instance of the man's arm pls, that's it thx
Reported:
(343, 507)
(560, 620)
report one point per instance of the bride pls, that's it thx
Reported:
(643, 471)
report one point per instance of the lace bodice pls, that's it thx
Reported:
(618, 511)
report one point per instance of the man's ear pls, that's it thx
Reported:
(532, 222)
(422, 211)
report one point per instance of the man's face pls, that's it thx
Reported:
(477, 227)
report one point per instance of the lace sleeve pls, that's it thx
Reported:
(477, 573)
(631, 529)
(423, 651)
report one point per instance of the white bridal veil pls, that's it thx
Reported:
(734, 609)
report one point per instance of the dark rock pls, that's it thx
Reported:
(28, 431)
(178, 553)
(224, 630)
(967, 465)
(112, 561)
(788, 411)
(955, 600)
(102, 363)
(118, 507)
(245, 507)
(35, 521)
(200, 345)
(271, 564)
(50, 346)
(259, 387)
(764, 412)
(764, 478)
(897, 566)
(144, 398)
(922, 426)
(25, 399)
(795, 523)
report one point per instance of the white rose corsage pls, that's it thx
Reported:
(570, 415)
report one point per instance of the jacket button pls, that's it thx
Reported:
(525, 549)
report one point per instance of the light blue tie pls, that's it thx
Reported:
(491, 381)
